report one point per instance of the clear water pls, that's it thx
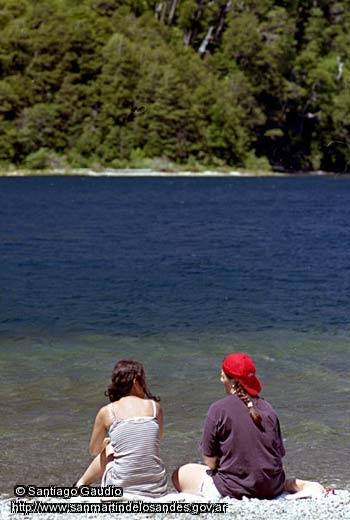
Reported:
(177, 273)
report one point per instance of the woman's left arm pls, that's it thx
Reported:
(160, 420)
(99, 433)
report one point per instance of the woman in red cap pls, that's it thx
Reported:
(241, 444)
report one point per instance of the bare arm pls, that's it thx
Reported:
(211, 462)
(160, 420)
(99, 433)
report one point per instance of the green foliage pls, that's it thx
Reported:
(10, 10)
(39, 127)
(233, 114)
(255, 84)
(42, 159)
(256, 164)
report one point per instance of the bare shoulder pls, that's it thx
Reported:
(105, 410)
(151, 407)
(158, 407)
(104, 415)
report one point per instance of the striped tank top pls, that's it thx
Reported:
(137, 466)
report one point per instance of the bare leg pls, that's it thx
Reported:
(301, 488)
(188, 478)
(96, 469)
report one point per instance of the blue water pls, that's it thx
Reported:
(176, 272)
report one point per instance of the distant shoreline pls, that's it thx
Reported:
(148, 172)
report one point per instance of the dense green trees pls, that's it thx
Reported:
(195, 82)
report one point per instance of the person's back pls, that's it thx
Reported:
(250, 455)
(136, 466)
(241, 444)
(126, 436)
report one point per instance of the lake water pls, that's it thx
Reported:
(177, 273)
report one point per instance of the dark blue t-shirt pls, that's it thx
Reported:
(249, 457)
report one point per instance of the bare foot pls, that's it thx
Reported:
(303, 489)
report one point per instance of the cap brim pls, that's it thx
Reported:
(252, 385)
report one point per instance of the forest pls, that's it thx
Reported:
(257, 84)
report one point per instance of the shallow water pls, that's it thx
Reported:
(176, 273)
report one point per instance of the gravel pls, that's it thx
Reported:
(333, 506)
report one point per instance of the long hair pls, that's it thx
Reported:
(124, 374)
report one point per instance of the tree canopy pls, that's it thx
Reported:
(256, 83)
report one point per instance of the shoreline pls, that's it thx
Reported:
(149, 172)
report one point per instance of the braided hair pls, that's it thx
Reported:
(246, 399)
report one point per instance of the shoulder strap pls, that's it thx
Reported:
(154, 408)
(111, 411)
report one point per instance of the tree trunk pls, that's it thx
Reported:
(172, 11)
(204, 44)
(192, 31)
(223, 10)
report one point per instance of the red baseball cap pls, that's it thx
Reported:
(241, 367)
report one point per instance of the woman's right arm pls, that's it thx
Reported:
(99, 433)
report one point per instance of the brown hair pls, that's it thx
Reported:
(124, 374)
(246, 398)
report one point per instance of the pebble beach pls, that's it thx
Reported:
(333, 506)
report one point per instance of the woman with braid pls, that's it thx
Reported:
(241, 445)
